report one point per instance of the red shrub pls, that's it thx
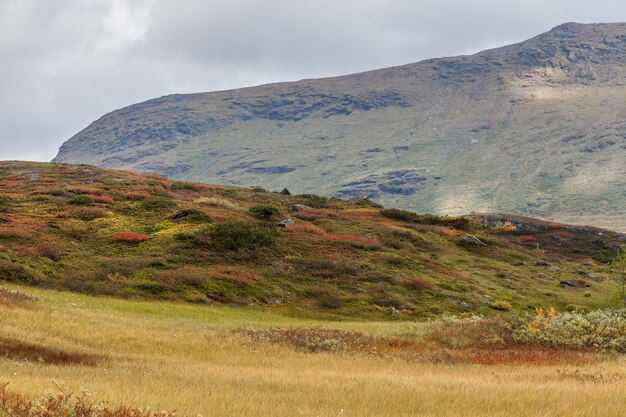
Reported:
(131, 237)
(101, 199)
(418, 283)
(235, 273)
(526, 239)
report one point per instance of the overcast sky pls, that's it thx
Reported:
(64, 63)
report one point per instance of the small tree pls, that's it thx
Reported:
(619, 269)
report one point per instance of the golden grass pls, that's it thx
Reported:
(184, 358)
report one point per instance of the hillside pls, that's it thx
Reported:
(126, 234)
(536, 128)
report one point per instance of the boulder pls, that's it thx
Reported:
(553, 269)
(582, 273)
(286, 223)
(472, 240)
(542, 263)
(298, 207)
(180, 215)
(285, 192)
(574, 283)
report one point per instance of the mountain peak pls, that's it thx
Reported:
(533, 128)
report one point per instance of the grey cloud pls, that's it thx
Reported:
(67, 62)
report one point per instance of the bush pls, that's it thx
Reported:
(262, 211)
(397, 214)
(89, 213)
(130, 237)
(17, 273)
(241, 236)
(449, 221)
(99, 199)
(155, 203)
(183, 185)
(599, 329)
(81, 200)
(501, 305)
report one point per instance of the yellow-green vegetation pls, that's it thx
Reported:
(213, 360)
(126, 234)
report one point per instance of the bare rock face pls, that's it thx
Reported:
(536, 128)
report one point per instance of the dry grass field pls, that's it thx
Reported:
(187, 359)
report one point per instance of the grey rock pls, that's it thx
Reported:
(554, 269)
(285, 192)
(180, 215)
(582, 273)
(472, 240)
(298, 207)
(574, 283)
(542, 263)
(286, 223)
(464, 306)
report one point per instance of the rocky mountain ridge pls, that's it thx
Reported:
(535, 128)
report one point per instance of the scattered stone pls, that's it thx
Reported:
(520, 263)
(286, 223)
(587, 264)
(574, 283)
(180, 215)
(472, 240)
(542, 263)
(464, 306)
(560, 239)
(622, 238)
(582, 273)
(553, 269)
(298, 207)
(285, 192)
(5, 220)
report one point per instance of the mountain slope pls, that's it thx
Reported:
(125, 234)
(534, 128)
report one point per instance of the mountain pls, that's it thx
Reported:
(125, 234)
(536, 128)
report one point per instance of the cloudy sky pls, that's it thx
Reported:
(64, 63)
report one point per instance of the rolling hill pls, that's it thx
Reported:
(536, 128)
(126, 234)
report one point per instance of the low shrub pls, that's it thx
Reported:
(155, 203)
(219, 202)
(81, 200)
(49, 250)
(130, 237)
(235, 274)
(12, 272)
(263, 211)
(183, 276)
(418, 283)
(599, 329)
(100, 199)
(73, 229)
(450, 221)
(397, 214)
(65, 405)
(236, 236)
(314, 214)
(14, 232)
(188, 186)
(13, 299)
(314, 201)
(501, 305)
(89, 213)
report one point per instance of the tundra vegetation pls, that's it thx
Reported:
(189, 298)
